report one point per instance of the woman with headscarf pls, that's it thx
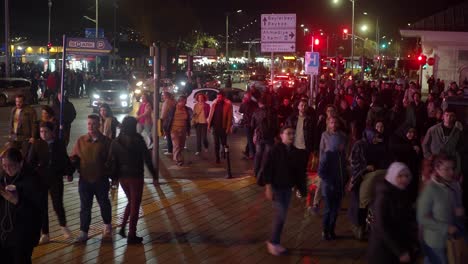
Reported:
(368, 155)
(127, 155)
(391, 237)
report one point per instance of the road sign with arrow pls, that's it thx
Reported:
(278, 32)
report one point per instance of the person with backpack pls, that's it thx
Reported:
(265, 126)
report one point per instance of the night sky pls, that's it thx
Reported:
(170, 19)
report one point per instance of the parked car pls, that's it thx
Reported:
(235, 95)
(259, 81)
(116, 93)
(11, 87)
(236, 75)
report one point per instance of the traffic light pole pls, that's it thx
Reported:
(312, 78)
(155, 52)
(7, 39)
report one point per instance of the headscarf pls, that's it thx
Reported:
(395, 169)
(369, 134)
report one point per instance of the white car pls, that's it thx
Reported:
(235, 95)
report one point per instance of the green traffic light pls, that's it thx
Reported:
(384, 46)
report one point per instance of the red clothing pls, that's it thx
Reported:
(349, 99)
(51, 82)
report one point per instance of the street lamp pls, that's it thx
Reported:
(352, 33)
(364, 28)
(48, 36)
(305, 30)
(227, 32)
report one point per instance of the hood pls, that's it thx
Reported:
(394, 170)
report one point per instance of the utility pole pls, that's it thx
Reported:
(155, 52)
(97, 31)
(48, 36)
(7, 39)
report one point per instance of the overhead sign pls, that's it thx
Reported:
(278, 47)
(275, 21)
(278, 32)
(278, 35)
(91, 33)
(312, 63)
(84, 46)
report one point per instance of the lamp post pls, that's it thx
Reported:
(97, 32)
(352, 33)
(7, 39)
(48, 36)
(227, 33)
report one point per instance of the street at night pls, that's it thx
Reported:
(152, 131)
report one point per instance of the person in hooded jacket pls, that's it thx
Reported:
(406, 148)
(127, 155)
(391, 237)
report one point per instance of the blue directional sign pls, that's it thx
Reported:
(85, 46)
(312, 62)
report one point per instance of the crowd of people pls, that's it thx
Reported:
(399, 160)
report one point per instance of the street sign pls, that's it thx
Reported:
(84, 46)
(278, 47)
(278, 35)
(278, 32)
(91, 32)
(275, 21)
(312, 63)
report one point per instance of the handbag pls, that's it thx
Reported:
(456, 250)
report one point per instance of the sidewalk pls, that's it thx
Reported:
(197, 216)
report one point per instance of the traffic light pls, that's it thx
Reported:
(49, 46)
(345, 34)
(341, 66)
(422, 59)
(316, 41)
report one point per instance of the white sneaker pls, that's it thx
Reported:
(44, 239)
(82, 238)
(197, 153)
(66, 232)
(107, 232)
(275, 250)
(167, 153)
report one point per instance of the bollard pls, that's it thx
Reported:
(226, 153)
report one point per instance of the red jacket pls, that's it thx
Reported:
(51, 82)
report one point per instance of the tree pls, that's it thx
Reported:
(196, 41)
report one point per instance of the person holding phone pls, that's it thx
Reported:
(20, 204)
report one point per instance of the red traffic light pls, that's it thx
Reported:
(316, 42)
(345, 34)
(345, 31)
(49, 46)
(422, 59)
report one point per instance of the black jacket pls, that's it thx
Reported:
(310, 129)
(127, 156)
(50, 163)
(285, 167)
(26, 215)
(69, 112)
(393, 227)
(265, 123)
(247, 110)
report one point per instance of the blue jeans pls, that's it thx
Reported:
(434, 255)
(330, 214)
(87, 191)
(170, 146)
(281, 200)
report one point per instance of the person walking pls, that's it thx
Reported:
(284, 169)
(439, 208)
(49, 156)
(392, 237)
(220, 122)
(201, 111)
(247, 109)
(265, 125)
(333, 174)
(90, 153)
(108, 123)
(127, 155)
(68, 116)
(51, 83)
(178, 123)
(22, 124)
(168, 103)
(19, 207)
(145, 119)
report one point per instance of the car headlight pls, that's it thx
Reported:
(96, 96)
(219, 82)
(137, 91)
(176, 89)
(183, 83)
(123, 96)
(140, 83)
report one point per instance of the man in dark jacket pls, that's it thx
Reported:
(49, 156)
(68, 116)
(304, 124)
(22, 124)
(265, 126)
(247, 109)
(284, 169)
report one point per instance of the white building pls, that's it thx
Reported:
(444, 37)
